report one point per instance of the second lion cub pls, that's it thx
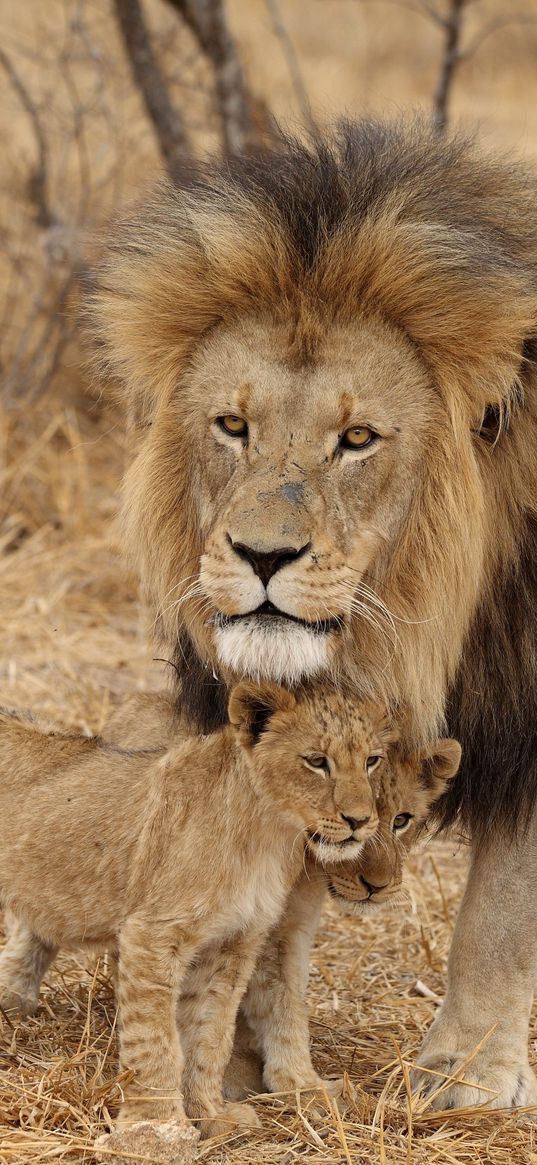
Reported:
(171, 857)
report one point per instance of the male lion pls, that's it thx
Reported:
(330, 350)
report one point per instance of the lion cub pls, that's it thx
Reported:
(275, 1004)
(179, 858)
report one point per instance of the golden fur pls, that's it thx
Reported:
(101, 847)
(274, 1017)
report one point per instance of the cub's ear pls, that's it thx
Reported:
(439, 764)
(252, 705)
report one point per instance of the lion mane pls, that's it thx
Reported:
(439, 240)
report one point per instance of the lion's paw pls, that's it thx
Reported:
(170, 1142)
(495, 1077)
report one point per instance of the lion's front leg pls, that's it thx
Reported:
(481, 1032)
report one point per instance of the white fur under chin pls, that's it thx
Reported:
(272, 650)
(327, 852)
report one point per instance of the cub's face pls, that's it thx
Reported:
(406, 792)
(317, 758)
(305, 476)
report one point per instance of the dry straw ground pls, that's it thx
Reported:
(74, 633)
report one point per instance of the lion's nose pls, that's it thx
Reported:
(355, 823)
(265, 563)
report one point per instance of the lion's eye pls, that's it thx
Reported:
(401, 821)
(318, 762)
(232, 425)
(358, 437)
(372, 762)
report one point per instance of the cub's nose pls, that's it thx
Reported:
(355, 823)
(266, 563)
(373, 888)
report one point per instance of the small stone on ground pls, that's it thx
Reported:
(170, 1142)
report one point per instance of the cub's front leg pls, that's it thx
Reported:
(275, 1005)
(24, 961)
(153, 958)
(206, 1016)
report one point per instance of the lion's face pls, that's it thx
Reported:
(305, 477)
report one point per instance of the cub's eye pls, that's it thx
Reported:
(402, 821)
(232, 425)
(372, 762)
(318, 762)
(358, 437)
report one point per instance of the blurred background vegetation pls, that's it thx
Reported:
(101, 95)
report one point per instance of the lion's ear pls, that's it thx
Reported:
(439, 764)
(252, 705)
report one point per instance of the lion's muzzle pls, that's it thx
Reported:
(279, 589)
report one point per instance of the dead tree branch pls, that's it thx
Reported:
(451, 59)
(289, 52)
(207, 21)
(38, 182)
(169, 128)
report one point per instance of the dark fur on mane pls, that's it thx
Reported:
(202, 696)
(497, 780)
(317, 190)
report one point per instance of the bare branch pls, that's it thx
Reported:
(169, 128)
(288, 49)
(207, 21)
(450, 61)
(38, 184)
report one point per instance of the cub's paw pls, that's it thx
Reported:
(170, 1142)
(493, 1078)
(18, 995)
(281, 1081)
(229, 1118)
(243, 1076)
(151, 1112)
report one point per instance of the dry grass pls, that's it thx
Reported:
(75, 635)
